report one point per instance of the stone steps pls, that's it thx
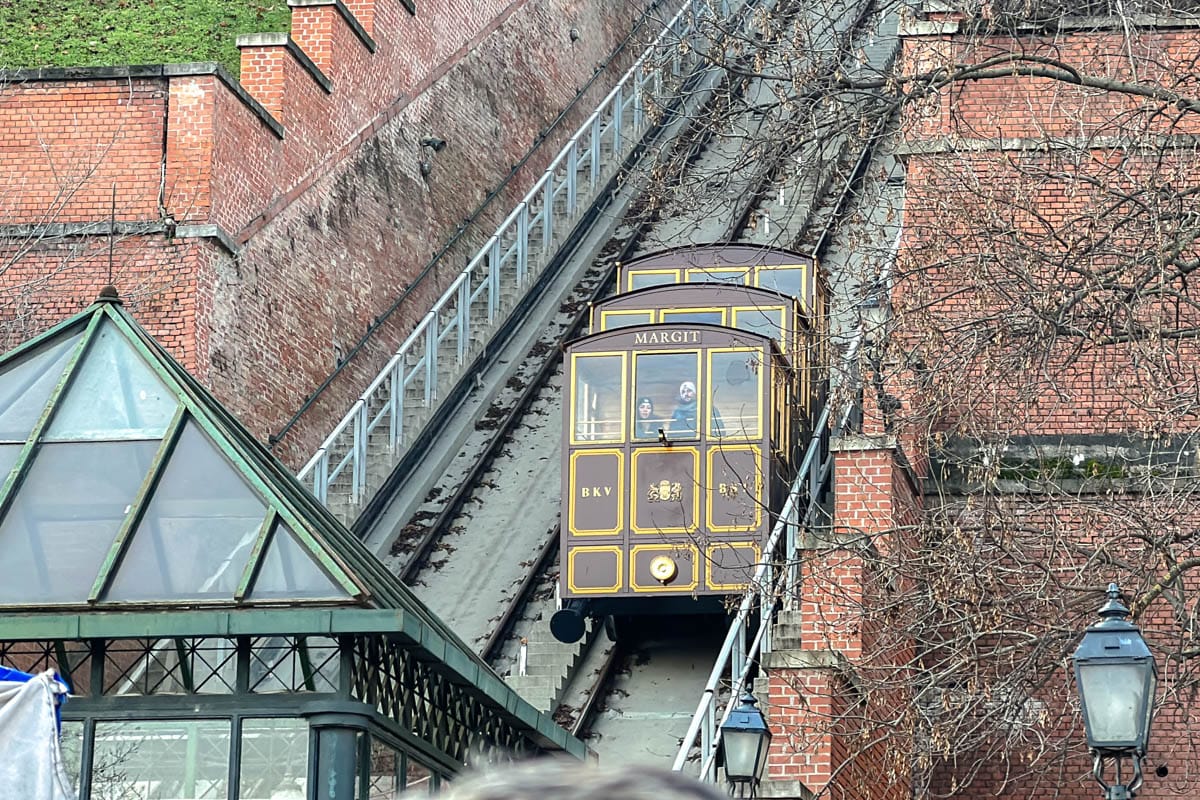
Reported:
(548, 665)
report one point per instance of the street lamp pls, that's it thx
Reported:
(1116, 678)
(745, 738)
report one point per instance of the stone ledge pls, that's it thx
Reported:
(856, 442)
(956, 144)
(801, 659)
(784, 790)
(59, 230)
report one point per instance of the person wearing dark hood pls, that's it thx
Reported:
(645, 425)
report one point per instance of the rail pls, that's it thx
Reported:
(766, 588)
(374, 435)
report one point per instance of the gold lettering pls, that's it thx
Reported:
(595, 491)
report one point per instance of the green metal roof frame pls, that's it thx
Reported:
(376, 602)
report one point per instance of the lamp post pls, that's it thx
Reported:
(745, 739)
(1116, 679)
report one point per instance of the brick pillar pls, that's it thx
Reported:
(264, 64)
(313, 26)
(364, 12)
(822, 645)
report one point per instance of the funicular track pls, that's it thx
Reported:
(480, 546)
(481, 549)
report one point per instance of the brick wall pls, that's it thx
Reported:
(67, 144)
(1039, 219)
(1033, 324)
(297, 195)
(838, 682)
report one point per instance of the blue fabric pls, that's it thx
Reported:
(16, 676)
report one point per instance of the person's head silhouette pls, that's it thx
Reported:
(687, 392)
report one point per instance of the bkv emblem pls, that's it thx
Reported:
(665, 492)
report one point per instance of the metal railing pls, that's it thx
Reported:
(768, 587)
(374, 435)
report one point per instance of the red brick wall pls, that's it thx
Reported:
(837, 700)
(1036, 107)
(1022, 352)
(331, 219)
(56, 277)
(67, 144)
(1011, 320)
(1028, 218)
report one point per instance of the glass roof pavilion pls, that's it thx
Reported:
(223, 635)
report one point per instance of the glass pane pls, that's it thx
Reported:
(718, 275)
(640, 280)
(597, 402)
(668, 381)
(175, 760)
(766, 321)
(418, 778)
(786, 280)
(71, 743)
(610, 320)
(736, 384)
(26, 385)
(114, 395)
(274, 759)
(8, 457)
(708, 317)
(196, 536)
(383, 783)
(288, 570)
(1114, 697)
(65, 517)
(289, 664)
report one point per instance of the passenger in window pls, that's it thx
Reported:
(683, 419)
(645, 425)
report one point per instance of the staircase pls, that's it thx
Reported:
(548, 665)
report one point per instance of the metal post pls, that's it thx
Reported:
(493, 278)
(522, 243)
(547, 216)
(358, 461)
(396, 426)
(431, 348)
(572, 176)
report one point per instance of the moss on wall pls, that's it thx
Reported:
(101, 33)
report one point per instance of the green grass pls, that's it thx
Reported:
(105, 33)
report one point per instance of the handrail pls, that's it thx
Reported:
(381, 425)
(761, 593)
(764, 589)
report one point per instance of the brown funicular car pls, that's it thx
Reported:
(676, 438)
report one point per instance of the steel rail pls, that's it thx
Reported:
(767, 587)
(584, 714)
